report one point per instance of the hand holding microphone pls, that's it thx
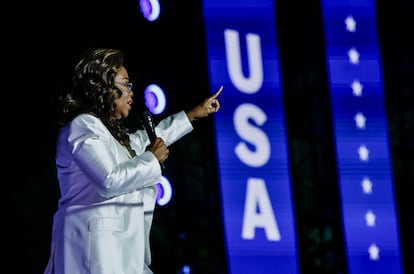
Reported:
(160, 150)
(157, 146)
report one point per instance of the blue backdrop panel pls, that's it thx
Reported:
(250, 136)
(362, 148)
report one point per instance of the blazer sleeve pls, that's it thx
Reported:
(170, 129)
(104, 160)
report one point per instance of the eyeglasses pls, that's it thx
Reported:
(128, 85)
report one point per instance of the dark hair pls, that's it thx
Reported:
(93, 91)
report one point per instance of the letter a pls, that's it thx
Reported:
(257, 197)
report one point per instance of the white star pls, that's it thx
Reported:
(350, 24)
(366, 185)
(373, 251)
(360, 120)
(353, 56)
(363, 153)
(356, 88)
(370, 218)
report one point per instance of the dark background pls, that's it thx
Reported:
(41, 41)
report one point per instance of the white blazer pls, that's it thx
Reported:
(105, 212)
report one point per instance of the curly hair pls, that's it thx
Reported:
(93, 91)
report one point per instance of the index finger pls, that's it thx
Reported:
(217, 92)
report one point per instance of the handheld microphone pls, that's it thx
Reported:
(149, 126)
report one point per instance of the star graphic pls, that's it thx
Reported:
(350, 23)
(353, 56)
(373, 251)
(366, 185)
(360, 120)
(363, 153)
(356, 88)
(370, 218)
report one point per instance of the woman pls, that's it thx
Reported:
(107, 176)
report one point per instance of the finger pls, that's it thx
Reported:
(217, 105)
(217, 92)
(158, 142)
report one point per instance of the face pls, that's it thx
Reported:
(123, 104)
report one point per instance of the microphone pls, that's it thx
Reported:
(149, 126)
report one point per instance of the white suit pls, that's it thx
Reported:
(107, 199)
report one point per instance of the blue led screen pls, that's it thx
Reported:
(250, 136)
(360, 129)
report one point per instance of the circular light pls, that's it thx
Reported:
(164, 191)
(155, 99)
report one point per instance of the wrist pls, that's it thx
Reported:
(191, 115)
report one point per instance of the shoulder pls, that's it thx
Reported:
(85, 118)
(87, 123)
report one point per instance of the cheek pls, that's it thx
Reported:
(118, 108)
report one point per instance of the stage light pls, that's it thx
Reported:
(150, 9)
(155, 99)
(164, 191)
